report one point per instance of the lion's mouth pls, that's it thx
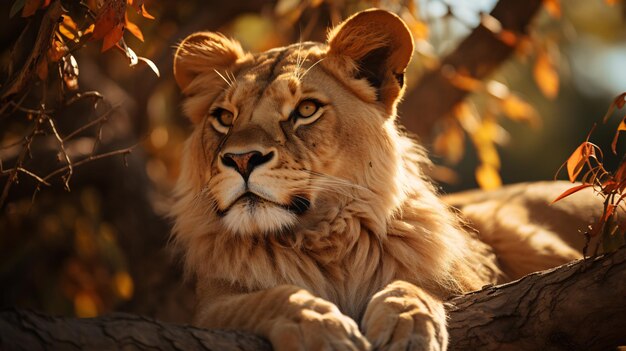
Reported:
(298, 205)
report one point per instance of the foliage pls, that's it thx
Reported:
(42, 86)
(609, 184)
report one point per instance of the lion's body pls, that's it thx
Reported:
(335, 210)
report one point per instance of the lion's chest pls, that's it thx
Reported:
(345, 272)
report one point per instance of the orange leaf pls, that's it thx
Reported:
(487, 177)
(462, 79)
(89, 29)
(553, 7)
(620, 128)
(110, 17)
(450, 143)
(545, 75)
(578, 158)
(619, 101)
(68, 27)
(133, 28)
(519, 110)
(57, 51)
(112, 37)
(145, 13)
(607, 213)
(571, 191)
(30, 7)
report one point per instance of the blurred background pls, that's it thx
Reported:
(91, 238)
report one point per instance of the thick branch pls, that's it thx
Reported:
(479, 54)
(578, 306)
(24, 330)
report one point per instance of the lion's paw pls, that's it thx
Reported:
(393, 323)
(316, 324)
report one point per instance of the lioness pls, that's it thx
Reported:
(302, 211)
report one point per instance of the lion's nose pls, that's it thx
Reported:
(246, 162)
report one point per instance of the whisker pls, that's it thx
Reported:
(313, 65)
(223, 78)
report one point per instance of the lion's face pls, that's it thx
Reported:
(279, 136)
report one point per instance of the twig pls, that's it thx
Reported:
(102, 118)
(20, 160)
(80, 96)
(125, 151)
(70, 167)
(38, 178)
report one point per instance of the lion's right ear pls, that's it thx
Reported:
(204, 52)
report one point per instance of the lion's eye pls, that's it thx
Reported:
(222, 120)
(307, 112)
(225, 118)
(307, 108)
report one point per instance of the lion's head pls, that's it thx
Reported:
(288, 136)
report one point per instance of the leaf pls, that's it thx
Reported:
(545, 75)
(620, 128)
(519, 110)
(57, 51)
(577, 159)
(130, 54)
(30, 7)
(133, 28)
(571, 191)
(124, 286)
(112, 37)
(462, 79)
(488, 177)
(110, 18)
(553, 7)
(89, 29)
(150, 64)
(145, 13)
(619, 101)
(68, 28)
(450, 143)
(70, 72)
(17, 6)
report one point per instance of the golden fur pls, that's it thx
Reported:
(343, 227)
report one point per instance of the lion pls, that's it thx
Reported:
(302, 211)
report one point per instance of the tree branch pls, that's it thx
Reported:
(578, 306)
(479, 55)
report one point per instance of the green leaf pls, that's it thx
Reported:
(17, 6)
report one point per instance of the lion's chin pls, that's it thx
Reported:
(258, 217)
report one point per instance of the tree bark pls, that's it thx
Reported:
(434, 95)
(578, 306)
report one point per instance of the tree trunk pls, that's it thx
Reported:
(578, 306)
(481, 53)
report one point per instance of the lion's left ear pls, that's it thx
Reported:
(381, 45)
